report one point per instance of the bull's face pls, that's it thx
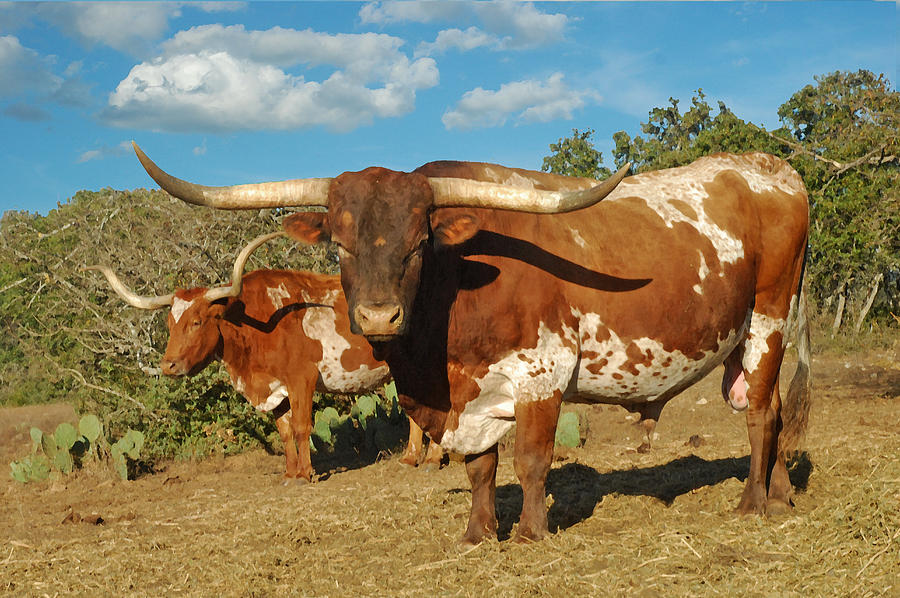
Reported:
(380, 220)
(194, 337)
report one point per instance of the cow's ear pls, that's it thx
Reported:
(308, 227)
(217, 309)
(453, 228)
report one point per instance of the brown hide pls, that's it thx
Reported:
(285, 334)
(627, 302)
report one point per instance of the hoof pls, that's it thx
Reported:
(776, 506)
(409, 460)
(298, 481)
(529, 536)
(644, 448)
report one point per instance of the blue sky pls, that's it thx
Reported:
(226, 93)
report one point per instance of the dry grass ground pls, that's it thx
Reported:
(655, 524)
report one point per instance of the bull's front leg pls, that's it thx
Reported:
(482, 471)
(535, 434)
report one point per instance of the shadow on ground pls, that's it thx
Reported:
(577, 489)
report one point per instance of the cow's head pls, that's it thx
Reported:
(383, 222)
(194, 335)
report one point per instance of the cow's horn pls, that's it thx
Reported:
(237, 273)
(296, 192)
(452, 192)
(128, 295)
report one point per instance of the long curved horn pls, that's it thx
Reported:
(237, 272)
(452, 192)
(128, 295)
(296, 192)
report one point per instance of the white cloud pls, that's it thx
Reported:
(129, 27)
(525, 101)
(105, 151)
(523, 25)
(505, 25)
(381, 13)
(448, 39)
(216, 78)
(22, 70)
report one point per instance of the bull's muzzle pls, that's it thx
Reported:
(379, 319)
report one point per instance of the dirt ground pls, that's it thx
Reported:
(625, 523)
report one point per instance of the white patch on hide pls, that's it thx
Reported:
(179, 306)
(276, 296)
(578, 238)
(319, 324)
(279, 394)
(757, 343)
(702, 272)
(239, 385)
(667, 371)
(523, 375)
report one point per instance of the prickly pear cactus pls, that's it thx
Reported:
(65, 436)
(89, 427)
(568, 432)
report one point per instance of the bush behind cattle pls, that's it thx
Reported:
(67, 338)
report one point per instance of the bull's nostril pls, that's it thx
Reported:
(397, 317)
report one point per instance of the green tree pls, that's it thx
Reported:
(576, 156)
(674, 139)
(845, 143)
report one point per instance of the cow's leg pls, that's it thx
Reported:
(535, 433)
(301, 395)
(433, 457)
(779, 498)
(482, 472)
(413, 445)
(649, 417)
(763, 352)
(283, 423)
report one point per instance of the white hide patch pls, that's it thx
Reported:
(579, 240)
(278, 295)
(666, 370)
(557, 361)
(757, 343)
(179, 306)
(666, 186)
(702, 272)
(239, 385)
(521, 376)
(279, 393)
(319, 323)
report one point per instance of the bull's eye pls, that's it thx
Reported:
(196, 323)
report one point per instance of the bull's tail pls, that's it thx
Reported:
(795, 408)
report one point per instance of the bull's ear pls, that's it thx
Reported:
(308, 227)
(453, 228)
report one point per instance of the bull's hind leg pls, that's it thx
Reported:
(763, 353)
(535, 434)
(482, 472)
(779, 498)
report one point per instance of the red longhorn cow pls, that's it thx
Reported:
(282, 335)
(490, 317)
